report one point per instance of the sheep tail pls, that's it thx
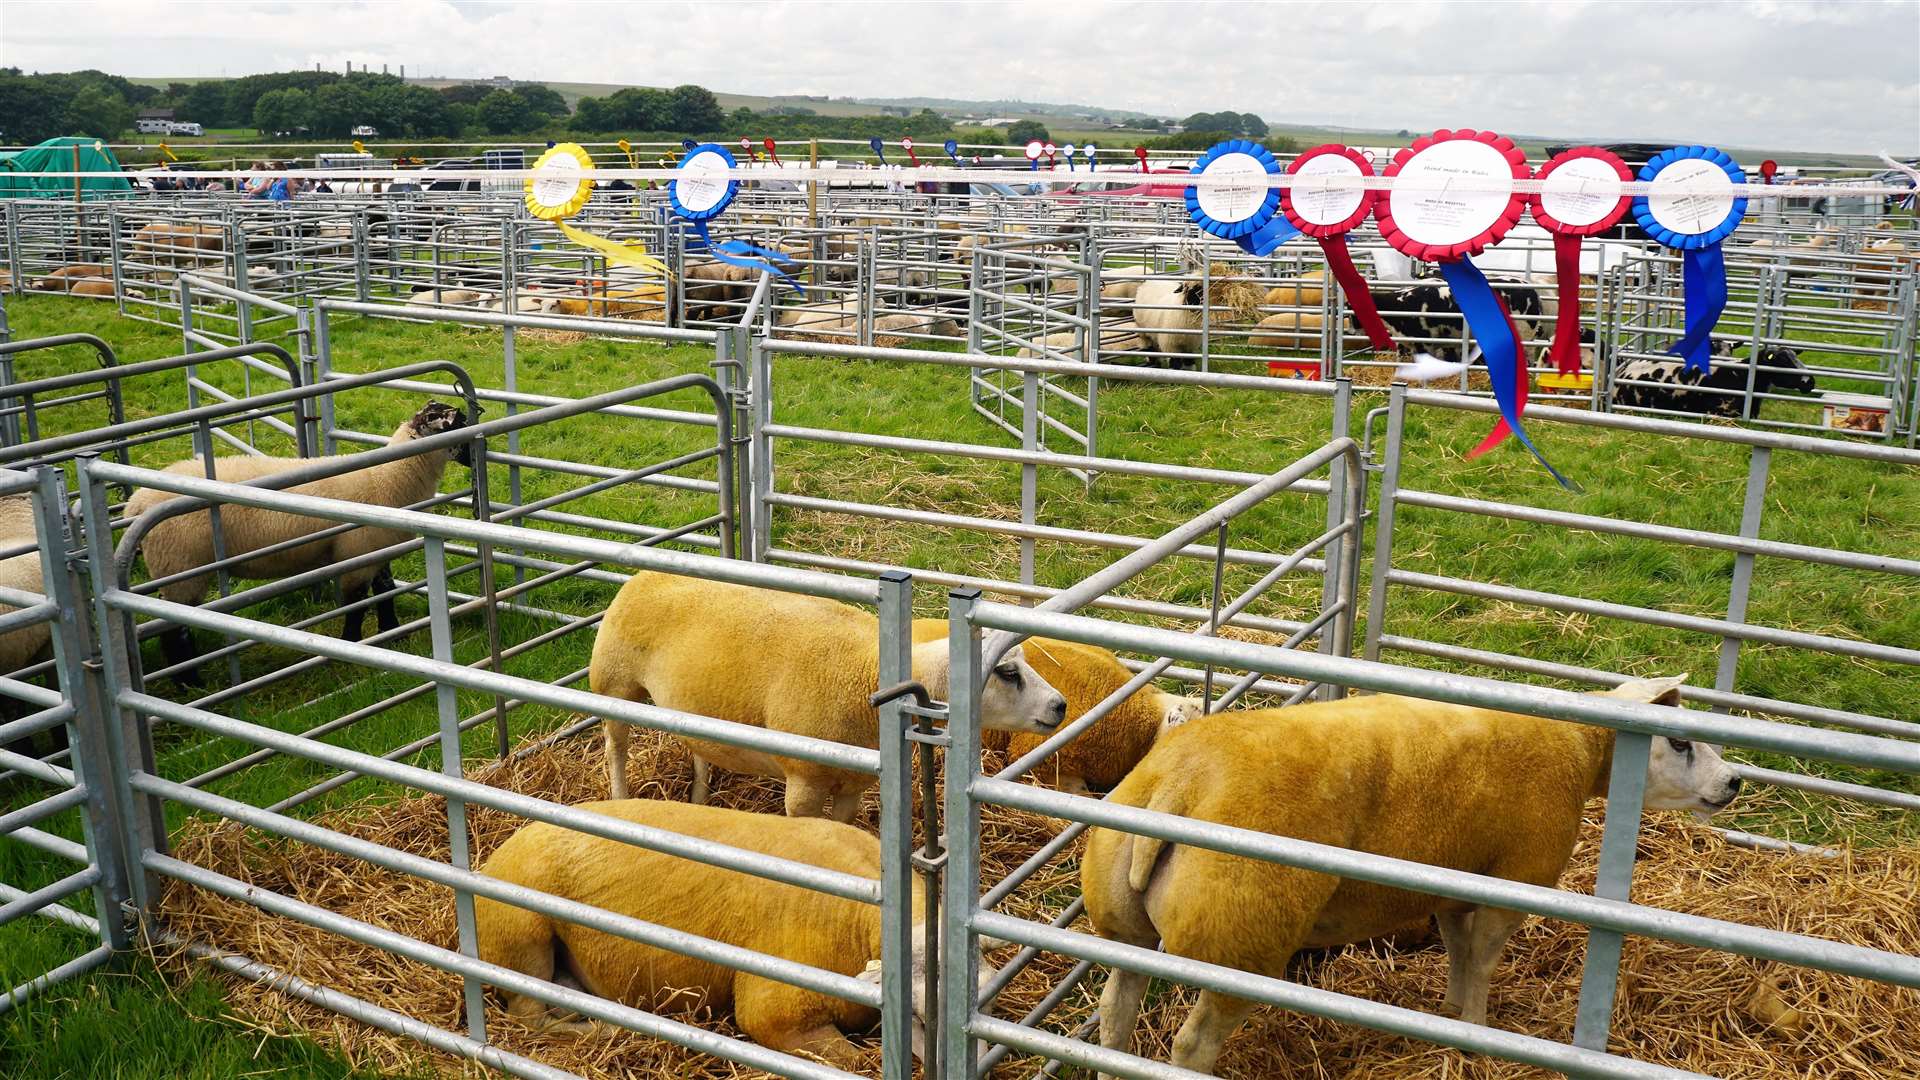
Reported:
(1148, 849)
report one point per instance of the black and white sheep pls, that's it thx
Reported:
(179, 544)
(1662, 382)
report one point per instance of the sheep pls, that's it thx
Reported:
(1123, 283)
(729, 906)
(1168, 313)
(1681, 390)
(901, 331)
(179, 544)
(1288, 330)
(799, 664)
(457, 297)
(23, 572)
(714, 290)
(170, 243)
(1310, 291)
(645, 303)
(1101, 756)
(1448, 785)
(63, 279)
(838, 317)
(1114, 337)
(1428, 311)
(93, 286)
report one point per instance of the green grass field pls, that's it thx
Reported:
(128, 1022)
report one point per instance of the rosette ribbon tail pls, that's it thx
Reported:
(1566, 325)
(1359, 296)
(741, 253)
(1704, 282)
(622, 254)
(1264, 240)
(1500, 344)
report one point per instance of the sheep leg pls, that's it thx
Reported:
(384, 612)
(791, 1020)
(1120, 1008)
(702, 781)
(1216, 1017)
(808, 796)
(176, 645)
(844, 806)
(1483, 933)
(617, 736)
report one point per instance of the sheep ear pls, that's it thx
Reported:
(1179, 710)
(1662, 691)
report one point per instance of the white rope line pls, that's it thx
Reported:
(888, 174)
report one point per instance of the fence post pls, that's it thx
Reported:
(1031, 438)
(102, 824)
(896, 833)
(760, 453)
(1383, 527)
(960, 957)
(1619, 844)
(1750, 516)
(448, 700)
(1330, 588)
(113, 669)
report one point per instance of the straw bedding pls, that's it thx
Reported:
(1685, 1007)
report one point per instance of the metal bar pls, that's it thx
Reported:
(79, 965)
(46, 895)
(805, 875)
(1655, 617)
(1312, 1001)
(597, 1008)
(1865, 750)
(478, 884)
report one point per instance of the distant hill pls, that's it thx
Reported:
(1076, 118)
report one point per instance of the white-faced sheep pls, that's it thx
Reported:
(1448, 785)
(781, 661)
(26, 644)
(181, 543)
(1101, 756)
(716, 290)
(729, 906)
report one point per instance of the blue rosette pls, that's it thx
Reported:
(1695, 226)
(703, 199)
(1218, 211)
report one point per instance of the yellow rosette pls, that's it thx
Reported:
(560, 187)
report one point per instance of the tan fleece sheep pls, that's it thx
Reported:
(21, 647)
(1101, 756)
(740, 909)
(715, 290)
(182, 543)
(1448, 785)
(799, 664)
(63, 279)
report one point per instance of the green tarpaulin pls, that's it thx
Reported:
(21, 170)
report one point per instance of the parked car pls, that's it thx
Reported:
(365, 131)
(1125, 184)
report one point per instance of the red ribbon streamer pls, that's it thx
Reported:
(1359, 297)
(1500, 429)
(1566, 325)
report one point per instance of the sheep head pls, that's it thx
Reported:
(438, 417)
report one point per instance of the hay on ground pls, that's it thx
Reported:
(1690, 1008)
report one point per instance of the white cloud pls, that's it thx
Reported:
(1776, 75)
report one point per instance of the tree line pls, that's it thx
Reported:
(326, 104)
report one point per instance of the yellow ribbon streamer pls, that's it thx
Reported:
(625, 254)
(167, 150)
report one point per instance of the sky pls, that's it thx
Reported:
(1833, 76)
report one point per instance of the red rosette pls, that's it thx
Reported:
(1508, 216)
(1323, 230)
(1582, 154)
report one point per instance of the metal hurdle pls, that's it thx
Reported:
(1733, 632)
(136, 711)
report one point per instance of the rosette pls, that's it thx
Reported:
(1693, 220)
(1580, 196)
(1247, 214)
(701, 193)
(1328, 212)
(559, 189)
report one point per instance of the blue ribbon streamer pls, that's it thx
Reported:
(741, 253)
(1704, 282)
(1268, 236)
(1488, 321)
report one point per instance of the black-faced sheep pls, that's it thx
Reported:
(1665, 383)
(1448, 785)
(729, 906)
(1170, 313)
(179, 544)
(792, 663)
